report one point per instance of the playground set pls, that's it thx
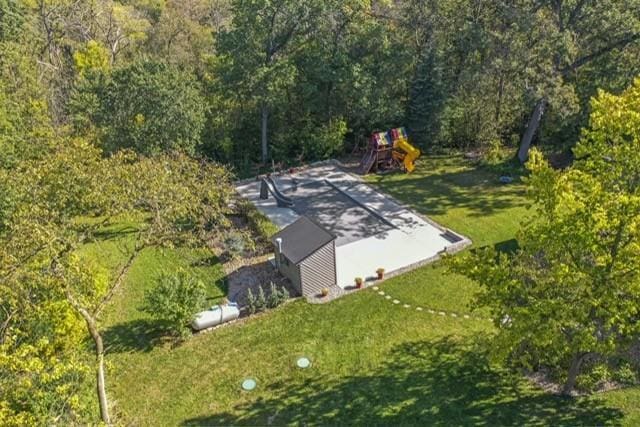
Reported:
(389, 151)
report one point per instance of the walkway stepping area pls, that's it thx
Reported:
(431, 311)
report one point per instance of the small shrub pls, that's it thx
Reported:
(284, 295)
(495, 153)
(625, 375)
(273, 300)
(594, 378)
(359, 281)
(324, 292)
(251, 302)
(174, 301)
(276, 295)
(234, 244)
(261, 301)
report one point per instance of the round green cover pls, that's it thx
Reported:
(249, 384)
(303, 363)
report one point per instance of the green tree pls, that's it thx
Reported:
(25, 124)
(572, 291)
(147, 106)
(425, 99)
(569, 35)
(174, 301)
(12, 17)
(60, 203)
(184, 31)
(257, 51)
(92, 58)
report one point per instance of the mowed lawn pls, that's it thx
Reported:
(373, 362)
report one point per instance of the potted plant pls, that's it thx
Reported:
(324, 292)
(380, 273)
(359, 282)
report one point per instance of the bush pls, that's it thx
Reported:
(251, 302)
(324, 141)
(235, 244)
(174, 301)
(311, 141)
(274, 296)
(262, 302)
(593, 379)
(259, 223)
(495, 153)
(625, 375)
(284, 295)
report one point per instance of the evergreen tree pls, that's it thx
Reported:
(425, 99)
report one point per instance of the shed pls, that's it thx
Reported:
(305, 253)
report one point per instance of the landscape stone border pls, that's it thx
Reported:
(464, 316)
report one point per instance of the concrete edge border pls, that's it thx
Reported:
(409, 208)
(285, 171)
(456, 247)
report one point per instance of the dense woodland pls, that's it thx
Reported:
(249, 81)
(111, 108)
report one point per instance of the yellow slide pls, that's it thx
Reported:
(412, 154)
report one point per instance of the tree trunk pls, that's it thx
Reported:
(532, 127)
(572, 375)
(265, 120)
(500, 96)
(97, 340)
(102, 392)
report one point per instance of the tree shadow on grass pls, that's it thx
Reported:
(140, 335)
(115, 232)
(477, 190)
(509, 247)
(434, 383)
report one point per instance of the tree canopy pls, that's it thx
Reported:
(148, 106)
(571, 293)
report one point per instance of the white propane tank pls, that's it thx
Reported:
(215, 316)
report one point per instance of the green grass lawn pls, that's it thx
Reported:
(373, 362)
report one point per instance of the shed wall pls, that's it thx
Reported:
(290, 271)
(319, 270)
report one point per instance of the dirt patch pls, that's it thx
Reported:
(252, 273)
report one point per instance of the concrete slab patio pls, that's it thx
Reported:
(373, 230)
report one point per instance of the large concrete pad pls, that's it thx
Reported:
(337, 213)
(373, 230)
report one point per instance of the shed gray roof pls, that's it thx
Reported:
(302, 238)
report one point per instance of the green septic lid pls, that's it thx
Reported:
(303, 363)
(249, 384)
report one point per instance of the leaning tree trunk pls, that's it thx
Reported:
(532, 127)
(265, 120)
(97, 340)
(572, 375)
